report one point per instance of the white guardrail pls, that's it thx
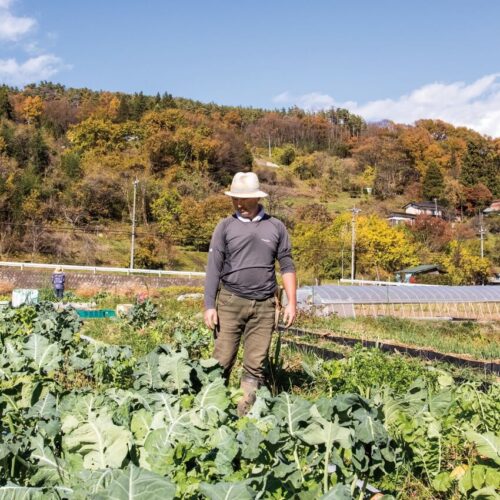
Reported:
(97, 269)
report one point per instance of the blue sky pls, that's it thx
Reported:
(386, 59)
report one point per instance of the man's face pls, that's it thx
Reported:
(247, 207)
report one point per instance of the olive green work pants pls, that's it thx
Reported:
(251, 319)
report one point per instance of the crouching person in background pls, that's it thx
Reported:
(241, 270)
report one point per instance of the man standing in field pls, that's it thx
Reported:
(241, 269)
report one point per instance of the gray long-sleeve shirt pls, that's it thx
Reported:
(242, 258)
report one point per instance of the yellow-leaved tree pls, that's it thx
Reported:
(382, 249)
(463, 267)
(313, 250)
(32, 109)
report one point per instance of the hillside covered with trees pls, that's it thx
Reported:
(69, 157)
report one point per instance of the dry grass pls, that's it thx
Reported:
(125, 290)
(6, 287)
(130, 290)
(87, 291)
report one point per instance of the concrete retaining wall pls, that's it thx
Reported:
(74, 280)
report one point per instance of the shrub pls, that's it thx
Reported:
(6, 287)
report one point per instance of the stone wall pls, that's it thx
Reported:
(30, 278)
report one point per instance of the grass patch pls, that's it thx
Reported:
(172, 316)
(189, 260)
(478, 340)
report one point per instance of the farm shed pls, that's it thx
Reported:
(405, 275)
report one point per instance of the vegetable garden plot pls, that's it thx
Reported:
(429, 354)
(82, 420)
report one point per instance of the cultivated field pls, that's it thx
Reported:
(135, 407)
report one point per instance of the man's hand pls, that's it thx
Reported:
(289, 315)
(290, 285)
(211, 318)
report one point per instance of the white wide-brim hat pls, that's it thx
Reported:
(245, 185)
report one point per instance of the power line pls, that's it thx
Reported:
(70, 229)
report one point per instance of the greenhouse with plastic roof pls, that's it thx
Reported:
(414, 301)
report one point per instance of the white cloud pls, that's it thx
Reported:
(38, 65)
(32, 70)
(475, 105)
(283, 97)
(12, 27)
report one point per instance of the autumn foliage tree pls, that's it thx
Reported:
(314, 249)
(476, 198)
(71, 155)
(463, 267)
(431, 232)
(32, 108)
(382, 248)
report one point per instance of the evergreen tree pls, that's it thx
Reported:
(167, 101)
(433, 183)
(157, 101)
(7, 137)
(480, 164)
(5, 105)
(40, 156)
(139, 106)
(123, 113)
(70, 165)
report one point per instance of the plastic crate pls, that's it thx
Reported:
(24, 296)
(96, 314)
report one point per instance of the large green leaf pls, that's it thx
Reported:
(338, 492)
(370, 431)
(42, 354)
(227, 491)
(442, 482)
(147, 373)
(321, 431)
(177, 370)
(224, 440)
(140, 425)
(11, 355)
(349, 402)
(250, 438)
(291, 411)
(13, 491)
(439, 403)
(212, 401)
(487, 493)
(45, 408)
(50, 469)
(90, 482)
(46, 412)
(161, 441)
(100, 442)
(488, 445)
(134, 483)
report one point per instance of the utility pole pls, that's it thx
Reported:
(482, 231)
(343, 234)
(355, 211)
(132, 242)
